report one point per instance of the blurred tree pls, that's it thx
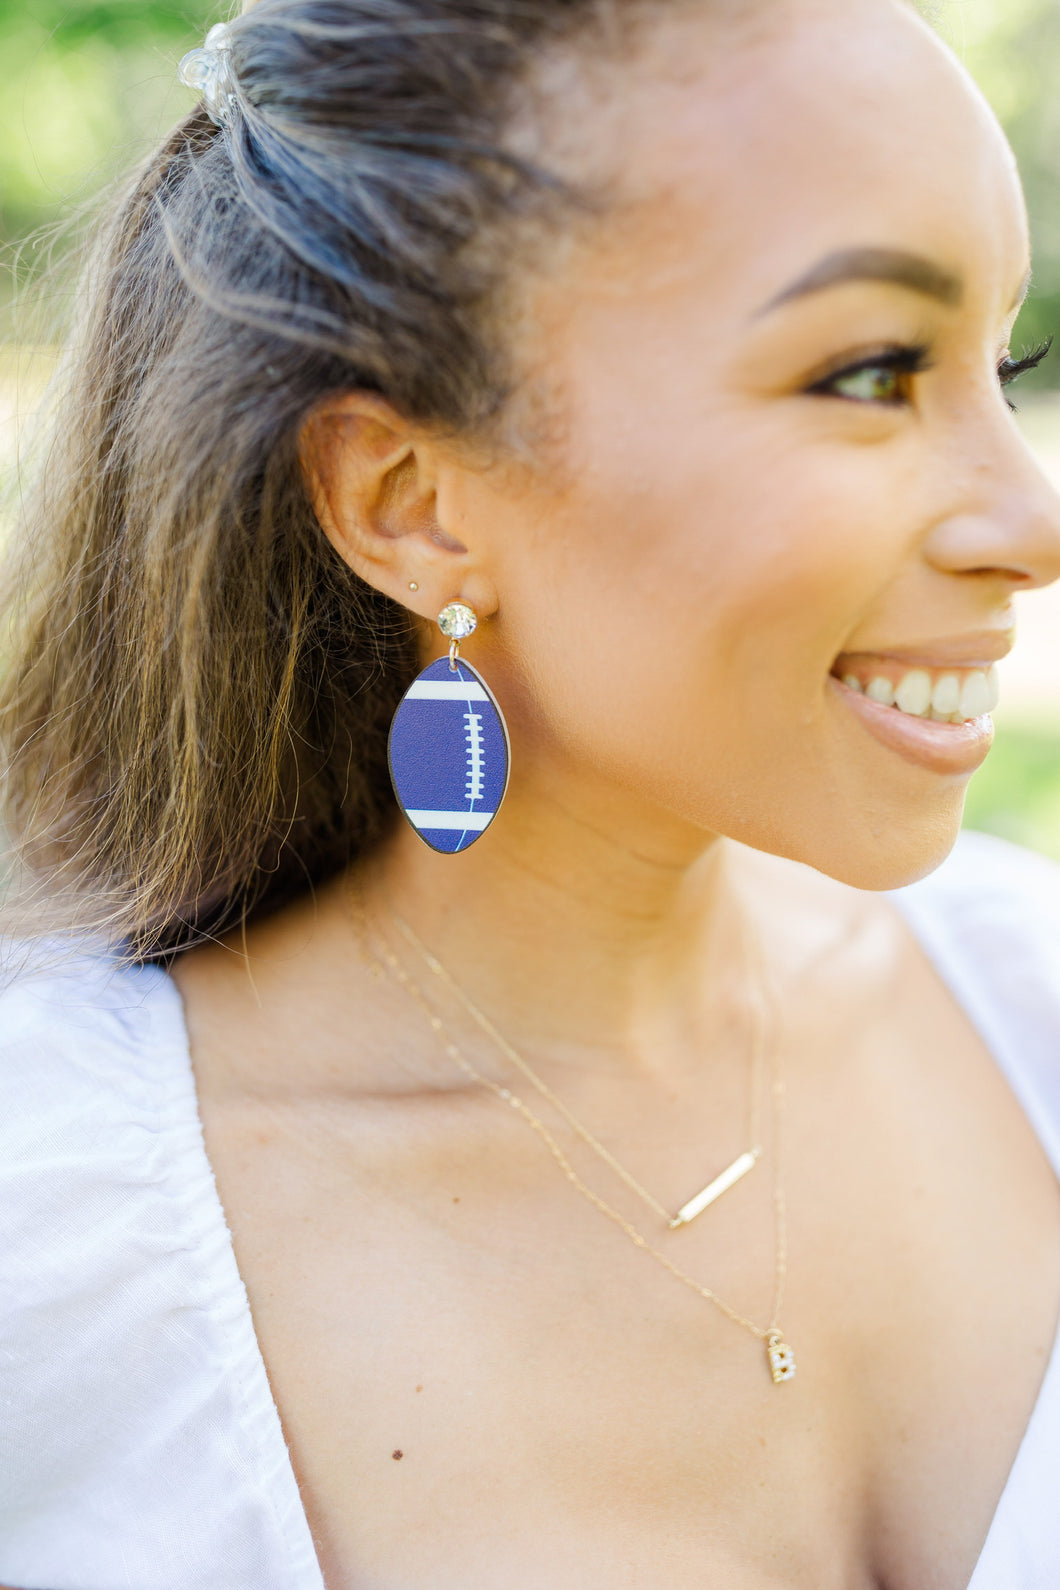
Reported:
(87, 85)
(84, 89)
(1012, 48)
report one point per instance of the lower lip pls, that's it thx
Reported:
(954, 748)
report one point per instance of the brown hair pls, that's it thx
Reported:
(195, 689)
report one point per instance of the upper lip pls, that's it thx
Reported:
(978, 649)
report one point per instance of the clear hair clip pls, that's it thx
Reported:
(209, 72)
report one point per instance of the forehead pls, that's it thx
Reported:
(746, 149)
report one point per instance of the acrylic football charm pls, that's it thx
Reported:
(449, 755)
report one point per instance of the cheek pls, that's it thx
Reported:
(694, 613)
(670, 631)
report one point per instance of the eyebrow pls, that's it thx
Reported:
(894, 266)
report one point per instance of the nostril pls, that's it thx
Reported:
(1017, 577)
(1014, 548)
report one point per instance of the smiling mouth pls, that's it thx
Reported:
(941, 694)
(934, 716)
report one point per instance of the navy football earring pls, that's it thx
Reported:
(449, 753)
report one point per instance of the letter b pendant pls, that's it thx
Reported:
(781, 1358)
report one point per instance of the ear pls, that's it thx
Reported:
(374, 482)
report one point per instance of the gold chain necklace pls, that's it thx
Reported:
(779, 1355)
(687, 1213)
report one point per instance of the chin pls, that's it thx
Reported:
(896, 849)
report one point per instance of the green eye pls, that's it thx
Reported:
(884, 376)
(873, 383)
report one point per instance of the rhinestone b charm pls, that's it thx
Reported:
(781, 1358)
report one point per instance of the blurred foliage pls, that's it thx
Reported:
(1012, 48)
(86, 87)
(1016, 792)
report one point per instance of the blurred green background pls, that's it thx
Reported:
(86, 88)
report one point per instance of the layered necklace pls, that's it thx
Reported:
(779, 1355)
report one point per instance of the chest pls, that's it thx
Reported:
(484, 1381)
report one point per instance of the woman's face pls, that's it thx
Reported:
(776, 452)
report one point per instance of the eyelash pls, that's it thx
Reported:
(1010, 369)
(914, 360)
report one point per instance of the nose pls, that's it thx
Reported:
(1003, 515)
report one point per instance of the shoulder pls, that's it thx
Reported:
(94, 1075)
(993, 901)
(98, 1110)
(81, 1034)
(107, 1230)
(134, 1393)
(989, 920)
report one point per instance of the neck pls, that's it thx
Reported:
(576, 932)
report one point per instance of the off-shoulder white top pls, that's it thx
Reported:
(140, 1447)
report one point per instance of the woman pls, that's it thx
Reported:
(669, 340)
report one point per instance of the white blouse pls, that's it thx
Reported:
(140, 1446)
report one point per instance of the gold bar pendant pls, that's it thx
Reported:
(728, 1178)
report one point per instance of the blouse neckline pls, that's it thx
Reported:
(260, 1415)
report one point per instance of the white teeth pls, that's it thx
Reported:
(946, 696)
(975, 696)
(913, 694)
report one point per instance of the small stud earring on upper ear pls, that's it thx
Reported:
(413, 586)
